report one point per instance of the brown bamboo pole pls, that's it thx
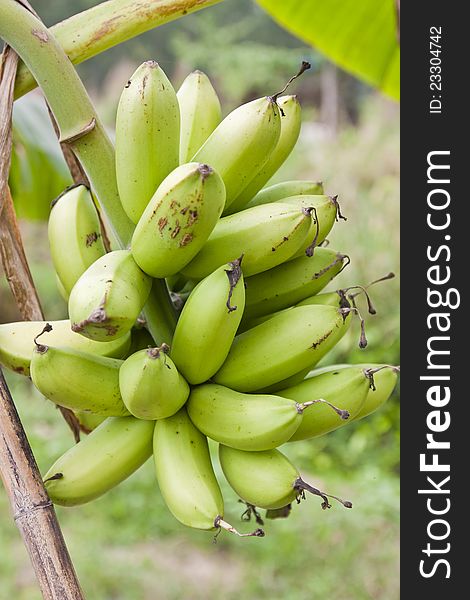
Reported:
(32, 509)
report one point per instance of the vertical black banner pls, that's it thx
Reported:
(434, 231)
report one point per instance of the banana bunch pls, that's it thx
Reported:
(245, 266)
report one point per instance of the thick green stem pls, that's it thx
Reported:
(75, 115)
(92, 31)
(80, 126)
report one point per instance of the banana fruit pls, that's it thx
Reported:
(241, 144)
(74, 233)
(106, 301)
(325, 210)
(208, 323)
(150, 385)
(200, 113)
(178, 219)
(186, 477)
(267, 479)
(265, 235)
(289, 342)
(383, 381)
(17, 343)
(289, 107)
(290, 282)
(78, 380)
(99, 462)
(147, 137)
(285, 189)
(244, 421)
(347, 389)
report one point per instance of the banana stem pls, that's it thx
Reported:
(76, 117)
(81, 128)
(344, 414)
(302, 486)
(107, 24)
(219, 523)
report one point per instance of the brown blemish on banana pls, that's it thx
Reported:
(91, 238)
(176, 230)
(187, 239)
(41, 35)
(162, 223)
(321, 340)
(193, 217)
(233, 274)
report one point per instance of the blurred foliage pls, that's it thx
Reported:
(38, 171)
(359, 35)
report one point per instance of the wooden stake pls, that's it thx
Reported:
(32, 509)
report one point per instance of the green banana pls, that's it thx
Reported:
(178, 219)
(383, 382)
(99, 462)
(200, 113)
(17, 343)
(385, 379)
(244, 421)
(241, 144)
(267, 479)
(185, 474)
(289, 107)
(78, 380)
(266, 236)
(208, 323)
(147, 137)
(61, 289)
(106, 301)
(150, 385)
(289, 342)
(88, 421)
(327, 299)
(346, 389)
(325, 212)
(74, 233)
(291, 282)
(286, 189)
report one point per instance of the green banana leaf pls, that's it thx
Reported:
(361, 36)
(38, 170)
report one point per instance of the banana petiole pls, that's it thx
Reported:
(370, 373)
(344, 414)
(300, 486)
(219, 523)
